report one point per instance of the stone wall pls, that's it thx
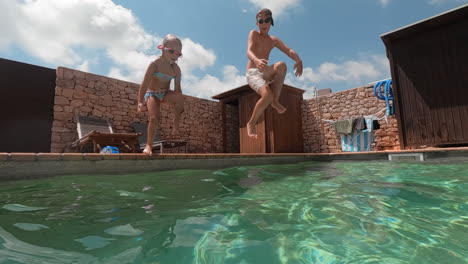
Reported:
(321, 137)
(232, 129)
(81, 93)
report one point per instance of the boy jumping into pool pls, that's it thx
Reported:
(266, 80)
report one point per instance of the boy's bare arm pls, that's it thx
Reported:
(287, 50)
(291, 53)
(250, 42)
(260, 63)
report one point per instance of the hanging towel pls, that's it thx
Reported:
(359, 124)
(344, 126)
(358, 140)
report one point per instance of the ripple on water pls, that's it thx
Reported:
(22, 208)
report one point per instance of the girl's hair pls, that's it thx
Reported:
(267, 12)
(169, 38)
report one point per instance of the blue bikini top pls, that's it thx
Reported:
(164, 76)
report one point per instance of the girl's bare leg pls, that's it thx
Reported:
(154, 115)
(177, 99)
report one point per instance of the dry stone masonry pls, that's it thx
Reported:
(320, 136)
(81, 93)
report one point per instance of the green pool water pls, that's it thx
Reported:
(312, 212)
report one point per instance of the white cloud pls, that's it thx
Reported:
(208, 85)
(70, 33)
(439, 2)
(54, 30)
(7, 23)
(195, 56)
(77, 33)
(84, 66)
(351, 72)
(384, 2)
(277, 7)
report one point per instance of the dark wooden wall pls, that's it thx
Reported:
(247, 144)
(277, 133)
(26, 107)
(429, 65)
(284, 131)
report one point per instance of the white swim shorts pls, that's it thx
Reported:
(255, 79)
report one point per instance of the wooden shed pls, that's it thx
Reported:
(429, 66)
(277, 133)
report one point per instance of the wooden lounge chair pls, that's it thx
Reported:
(142, 128)
(99, 133)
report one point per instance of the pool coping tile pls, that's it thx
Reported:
(93, 156)
(72, 156)
(41, 156)
(4, 156)
(111, 156)
(142, 156)
(21, 156)
(195, 156)
(128, 156)
(175, 156)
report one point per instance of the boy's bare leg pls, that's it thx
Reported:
(277, 74)
(265, 100)
(154, 115)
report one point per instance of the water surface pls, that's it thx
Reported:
(312, 212)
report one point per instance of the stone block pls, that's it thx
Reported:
(58, 90)
(86, 109)
(79, 74)
(107, 102)
(68, 74)
(76, 103)
(68, 109)
(63, 116)
(65, 83)
(60, 100)
(97, 113)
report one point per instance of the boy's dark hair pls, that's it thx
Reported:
(265, 11)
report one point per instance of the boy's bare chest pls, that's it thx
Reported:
(264, 44)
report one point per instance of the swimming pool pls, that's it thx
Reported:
(309, 212)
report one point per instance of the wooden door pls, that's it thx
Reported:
(247, 144)
(284, 131)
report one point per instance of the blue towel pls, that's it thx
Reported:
(358, 140)
(109, 149)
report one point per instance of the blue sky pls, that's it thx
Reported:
(338, 40)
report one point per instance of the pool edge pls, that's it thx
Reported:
(16, 166)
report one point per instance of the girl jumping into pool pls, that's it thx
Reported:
(154, 89)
